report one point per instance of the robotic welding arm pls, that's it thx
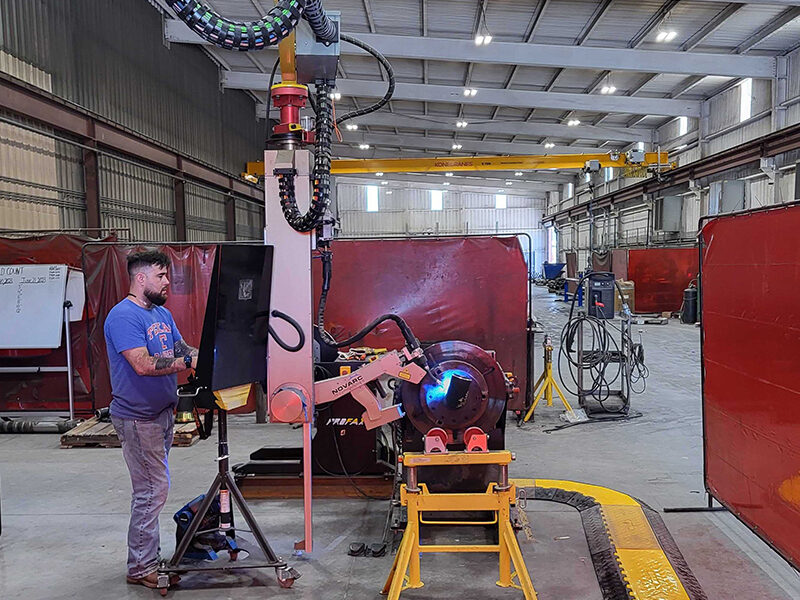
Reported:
(394, 364)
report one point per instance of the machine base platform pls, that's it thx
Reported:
(289, 487)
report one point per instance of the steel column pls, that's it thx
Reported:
(91, 185)
(230, 218)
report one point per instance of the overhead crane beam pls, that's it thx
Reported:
(656, 160)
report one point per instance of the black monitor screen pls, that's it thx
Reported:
(233, 347)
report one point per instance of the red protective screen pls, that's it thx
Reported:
(472, 289)
(660, 276)
(46, 391)
(751, 344)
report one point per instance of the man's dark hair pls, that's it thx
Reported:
(137, 260)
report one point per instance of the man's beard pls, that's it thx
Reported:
(157, 298)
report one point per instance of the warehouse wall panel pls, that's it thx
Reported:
(249, 221)
(205, 214)
(109, 57)
(740, 135)
(135, 198)
(725, 107)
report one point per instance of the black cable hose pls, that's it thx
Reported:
(408, 336)
(322, 172)
(302, 337)
(269, 30)
(327, 274)
(271, 83)
(321, 25)
(389, 76)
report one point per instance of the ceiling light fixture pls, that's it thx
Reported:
(482, 35)
(608, 89)
(666, 35)
(351, 126)
(379, 174)
(456, 146)
(363, 146)
(446, 183)
(549, 145)
(388, 192)
(461, 124)
(470, 91)
(334, 95)
(384, 183)
(518, 174)
(448, 174)
(573, 122)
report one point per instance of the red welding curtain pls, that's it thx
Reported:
(107, 283)
(660, 276)
(751, 342)
(472, 289)
(46, 391)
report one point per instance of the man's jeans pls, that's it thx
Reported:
(145, 446)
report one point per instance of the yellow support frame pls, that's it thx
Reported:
(482, 163)
(406, 570)
(548, 383)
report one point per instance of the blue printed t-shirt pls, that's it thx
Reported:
(127, 326)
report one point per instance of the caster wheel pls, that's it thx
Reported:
(163, 591)
(286, 577)
(234, 555)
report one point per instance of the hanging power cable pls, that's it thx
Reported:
(269, 30)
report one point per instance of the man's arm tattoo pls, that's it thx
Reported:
(144, 364)
(182, 349)
(164, 363)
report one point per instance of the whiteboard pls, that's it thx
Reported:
(32, 305)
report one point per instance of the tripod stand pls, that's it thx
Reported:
(225, 485)
(548, 383)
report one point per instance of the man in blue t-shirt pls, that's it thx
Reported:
(145, 351)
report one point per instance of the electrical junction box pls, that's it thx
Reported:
(600, 295)
(316, 60)
(635, 157)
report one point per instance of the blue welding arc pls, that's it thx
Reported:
(435, 394)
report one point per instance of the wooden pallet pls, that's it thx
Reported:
(95, 433)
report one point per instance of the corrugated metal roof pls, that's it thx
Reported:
(741, 26)
(786, 37)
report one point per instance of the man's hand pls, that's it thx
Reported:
(154, 366)
(194, 361)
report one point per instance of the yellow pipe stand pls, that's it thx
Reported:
(548, 383)
(498, 498)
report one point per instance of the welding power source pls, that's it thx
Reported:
(601, 295)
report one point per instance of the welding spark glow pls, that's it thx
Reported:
(435, 394)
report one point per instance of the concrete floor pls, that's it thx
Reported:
(65, 512)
